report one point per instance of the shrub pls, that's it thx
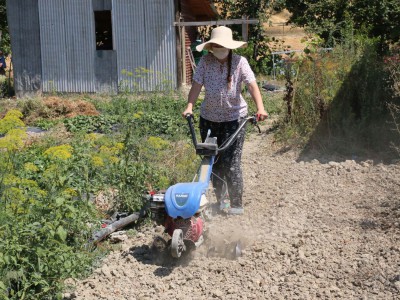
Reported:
(3, 86)
(11, 120)
(46, 188)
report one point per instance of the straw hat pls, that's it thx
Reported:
(222, 36)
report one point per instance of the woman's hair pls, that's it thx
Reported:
(229, 77)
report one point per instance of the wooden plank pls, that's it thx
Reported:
(218, 22)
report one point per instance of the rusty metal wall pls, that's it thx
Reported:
(145, 44)
(67, 37)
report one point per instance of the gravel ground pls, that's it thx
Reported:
(313, 228)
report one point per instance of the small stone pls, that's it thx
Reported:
(218, 294)
(118, 237)
(106, 271)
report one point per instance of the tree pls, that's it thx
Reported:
(5, 37)
(379, 18)
(376, 18)
(253, 9)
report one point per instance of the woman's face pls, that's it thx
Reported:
(221, 53)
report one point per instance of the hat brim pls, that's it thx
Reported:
(226, 44)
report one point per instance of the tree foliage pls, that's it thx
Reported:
(258, 50)
(376, 18)
(5, 38)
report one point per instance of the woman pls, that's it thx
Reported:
(223, 108)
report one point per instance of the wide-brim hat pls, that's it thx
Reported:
(222, 36)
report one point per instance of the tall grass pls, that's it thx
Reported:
(339, 100)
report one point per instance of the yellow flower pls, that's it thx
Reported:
(119, 146)
(138, 115)
(91, 137)
(97, 161)
(62, 152)
(15, 194)
(9, 179)
(50, 171)
(11, 121)
(114, 159)
(14, 113)
(28, 183)
(42, 193)
(13, 140)
(111, 150)
(68, 192)
(157, 143)
(31, 167)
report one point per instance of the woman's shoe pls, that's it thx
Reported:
(225, 205)
(236, 211)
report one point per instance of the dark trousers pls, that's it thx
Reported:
(227, 167)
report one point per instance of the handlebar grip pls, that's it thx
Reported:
(258, 117)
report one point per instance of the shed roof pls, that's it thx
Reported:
(199, 10)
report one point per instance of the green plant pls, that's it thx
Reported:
(46, 124)
(44, 223)
(3, 86)
(262, 63)
(101, 123)
(12, 120)
(47, 188)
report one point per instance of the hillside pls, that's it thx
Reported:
(276, 27)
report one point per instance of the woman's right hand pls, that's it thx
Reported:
(192, 97)
(187, 111)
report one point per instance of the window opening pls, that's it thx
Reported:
(103, 27)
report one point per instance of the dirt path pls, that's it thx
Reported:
(312, 229)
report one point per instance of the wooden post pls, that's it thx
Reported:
(183, 40)
(178, 47)
(244, 29)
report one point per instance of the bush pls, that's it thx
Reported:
(261, 65)
(3, 86)
(340, 99)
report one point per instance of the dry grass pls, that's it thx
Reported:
(59, 107)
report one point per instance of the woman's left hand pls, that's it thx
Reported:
(261, 115)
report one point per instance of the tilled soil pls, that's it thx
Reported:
(313, 228)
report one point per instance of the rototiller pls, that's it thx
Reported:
(183, 208)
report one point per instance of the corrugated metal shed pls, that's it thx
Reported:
(145, 43)
(67, 44)
(25, 43)
(54, 44)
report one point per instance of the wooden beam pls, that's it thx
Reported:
(179, 74)
(217, 22)
(245, 29)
